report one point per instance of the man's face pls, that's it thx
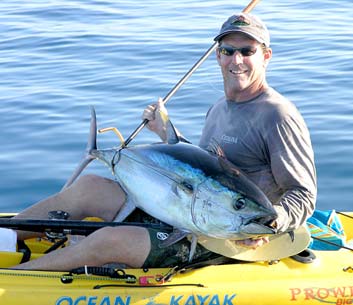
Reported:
(243, 75)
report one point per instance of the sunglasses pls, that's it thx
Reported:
(229, 51)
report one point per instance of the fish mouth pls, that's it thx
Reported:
(261, 225)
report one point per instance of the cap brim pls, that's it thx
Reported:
(220, 36)
(280, 246)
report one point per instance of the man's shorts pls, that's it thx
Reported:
(176, 254)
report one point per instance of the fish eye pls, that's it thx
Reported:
(239, 203)
(187, 186)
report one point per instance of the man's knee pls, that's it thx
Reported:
(97, 183)
(92, 195)
(90, 180)
(123, 234)
(124, 244)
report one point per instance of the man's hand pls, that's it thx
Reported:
(252, 243)
(157, 117)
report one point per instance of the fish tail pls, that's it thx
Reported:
(91, 146)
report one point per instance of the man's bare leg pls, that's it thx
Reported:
(127, 245)
(90, 195)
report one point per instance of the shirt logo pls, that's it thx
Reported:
(229, 139)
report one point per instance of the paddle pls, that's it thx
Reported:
(250, 6)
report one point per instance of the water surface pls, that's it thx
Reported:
(59, 57)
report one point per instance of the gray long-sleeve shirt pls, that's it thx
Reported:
(268, 139)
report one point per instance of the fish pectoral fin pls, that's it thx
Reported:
(229, 168)
(173, 238)
(215, 148)
(178, 235)
(192, 247)
(125, 210)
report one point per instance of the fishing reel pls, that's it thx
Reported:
(57, 215)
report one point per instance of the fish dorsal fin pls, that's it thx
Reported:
(214, 148)
(172, 136)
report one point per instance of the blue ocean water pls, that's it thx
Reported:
(59, 57)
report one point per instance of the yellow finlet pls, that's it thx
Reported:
(117, 132)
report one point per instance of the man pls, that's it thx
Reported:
(259, 130)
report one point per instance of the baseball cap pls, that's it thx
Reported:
(247, 24)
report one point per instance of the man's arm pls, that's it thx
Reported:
(293, 168)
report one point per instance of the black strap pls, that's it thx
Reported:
(57, 245)
(214, 260)
(23, 248)
(104, 271)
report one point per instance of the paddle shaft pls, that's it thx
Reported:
(75, 227)
(250, 6)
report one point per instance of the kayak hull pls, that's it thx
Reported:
(327, 280)
(301, 280)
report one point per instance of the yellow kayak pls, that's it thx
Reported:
(312, 277)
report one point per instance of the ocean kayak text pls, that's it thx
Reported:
(214, 299)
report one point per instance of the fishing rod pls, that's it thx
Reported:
(82, 227)
(331, 243)
(73, 227)
(344, 214)
(41, 225)
(247, 9)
